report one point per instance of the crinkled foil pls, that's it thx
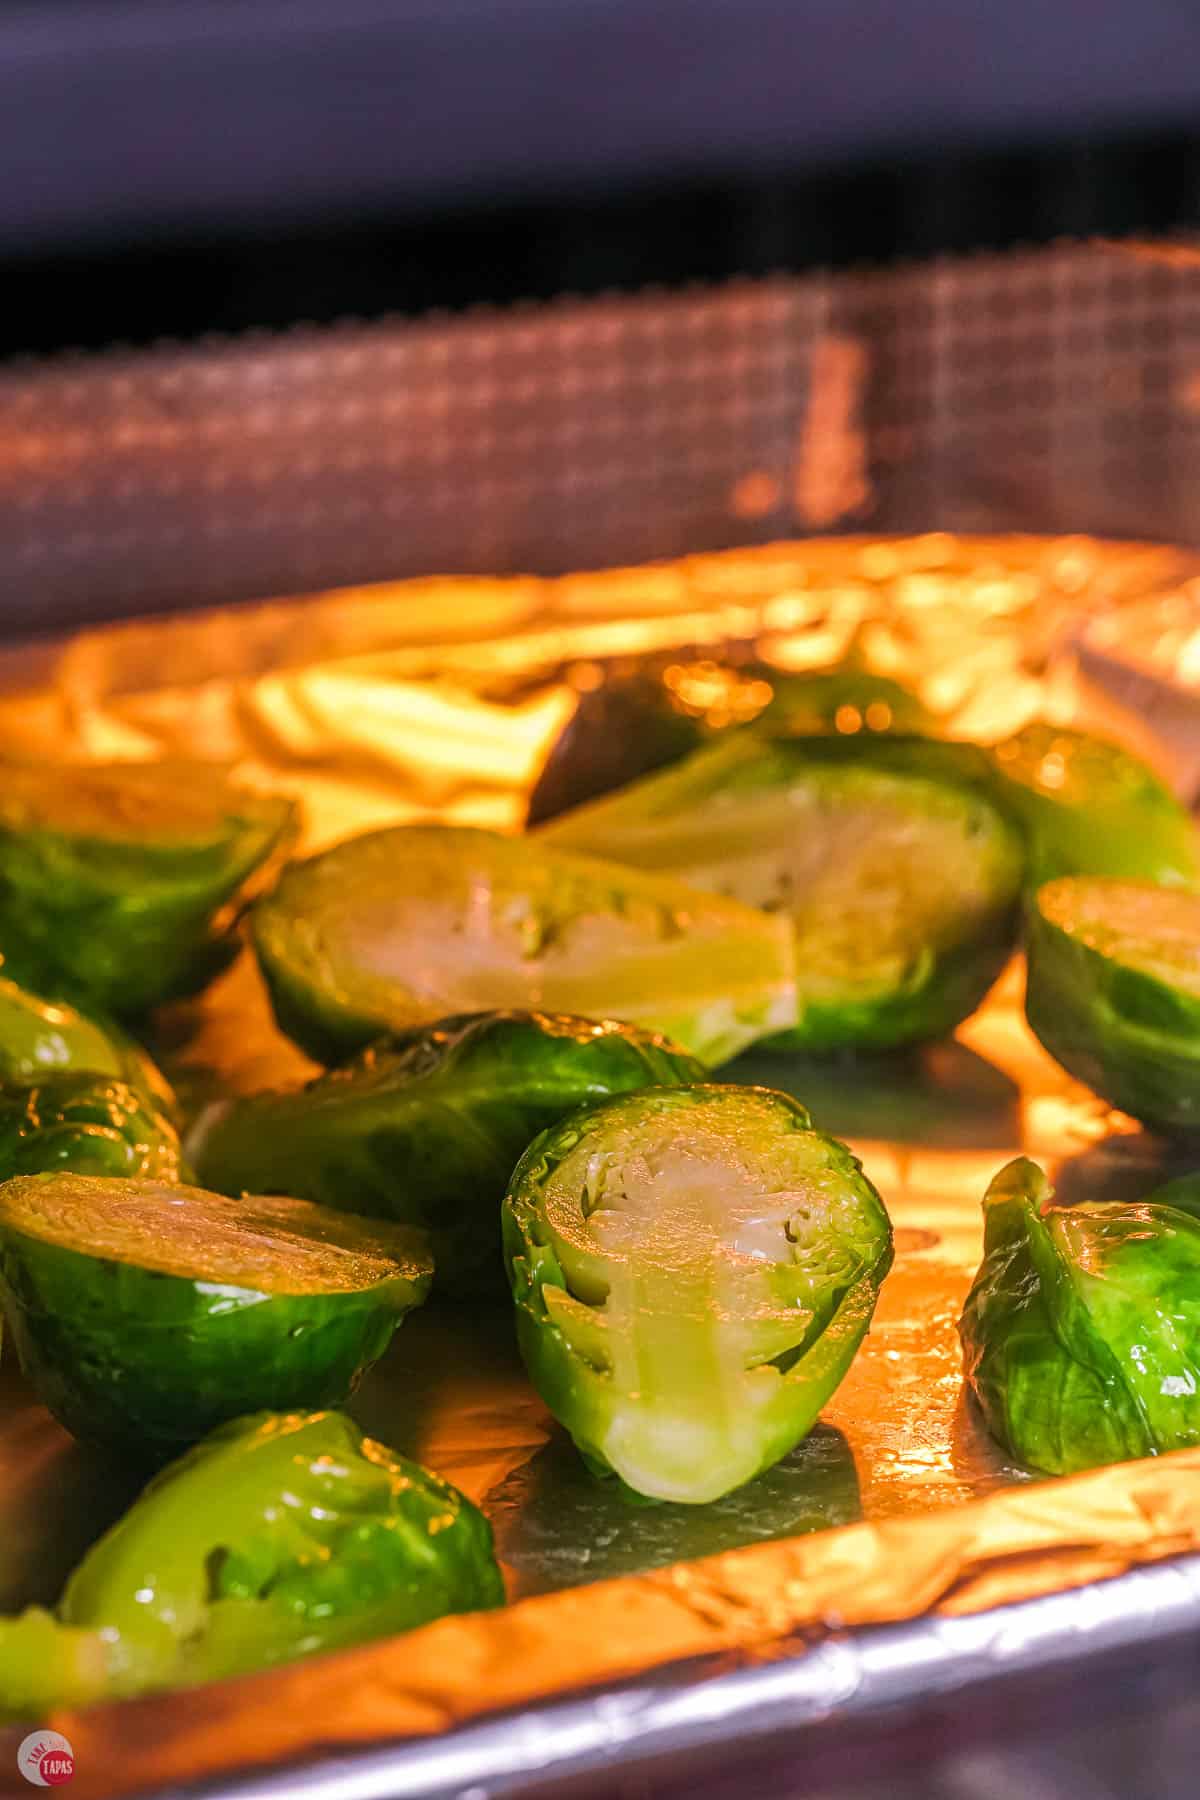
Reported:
(894, 1551)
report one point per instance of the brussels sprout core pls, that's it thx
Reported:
(694, 1269)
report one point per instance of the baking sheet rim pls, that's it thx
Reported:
(1043, 1541)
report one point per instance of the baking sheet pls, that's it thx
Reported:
(897, 1506)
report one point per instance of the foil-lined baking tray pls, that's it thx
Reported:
(895, 1551)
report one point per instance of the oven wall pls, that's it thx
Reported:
(1050, 390)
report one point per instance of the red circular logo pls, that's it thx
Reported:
(46, 1759)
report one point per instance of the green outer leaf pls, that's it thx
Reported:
(1131, 1300)
(1081, 1330)
(277, 1537)
(1105, 1011)
(815, 700)
(147, 1356)
(85, 1124)
(1183, 1193)
(749, 818)
(1049, 1410)
(395, 929)
(45, 1665)
(728, 1370)
(633, 724)
(1089, 807)
(48, 1037)
(113, 880)
(427, 1128)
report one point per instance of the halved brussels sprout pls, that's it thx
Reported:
(654, 715)
(145, 1314)
(898, 873)
(1088, 807)
(1113, 992)
(693, 1270)
(280, 1536)
(48, 1037)
(1081, 1333)
(427, 1128)
(397, 928)
(113, 876)
(87, 1124)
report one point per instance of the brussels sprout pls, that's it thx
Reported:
(898, 873)
(428, 1128)
(693, 1270)
(845, 700)
(397, 928)
(1081, 1334)
(145, 1314)
(1088, 807)
(113, 876)
(88, 1124)
(632, 724)
(45, 1037)
(279, 1536)
(1113, 992)
(624, 728)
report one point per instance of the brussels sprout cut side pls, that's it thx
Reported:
(428, 1128)
(145, 1314)
(279, 1536)
(85, 1124)
(1113, 992)
(898, 874)
(1088, 807)
(113, 875)
(1081, 1334)
(396, 929)
(693, 1271)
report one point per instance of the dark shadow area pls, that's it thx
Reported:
(451, 1376)
(975, 1454)
(56, 1497)
(630, 237)
(942, 1096)
(559, 1526)
(1128, 1166)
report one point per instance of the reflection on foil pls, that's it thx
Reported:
(830, 1582)
(442, 697)
(556, 1525)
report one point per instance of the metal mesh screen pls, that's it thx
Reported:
(1051, 390)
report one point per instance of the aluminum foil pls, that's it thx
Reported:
(895, 1551)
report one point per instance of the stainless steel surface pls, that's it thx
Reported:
(883, 1667)
(894, 1554)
